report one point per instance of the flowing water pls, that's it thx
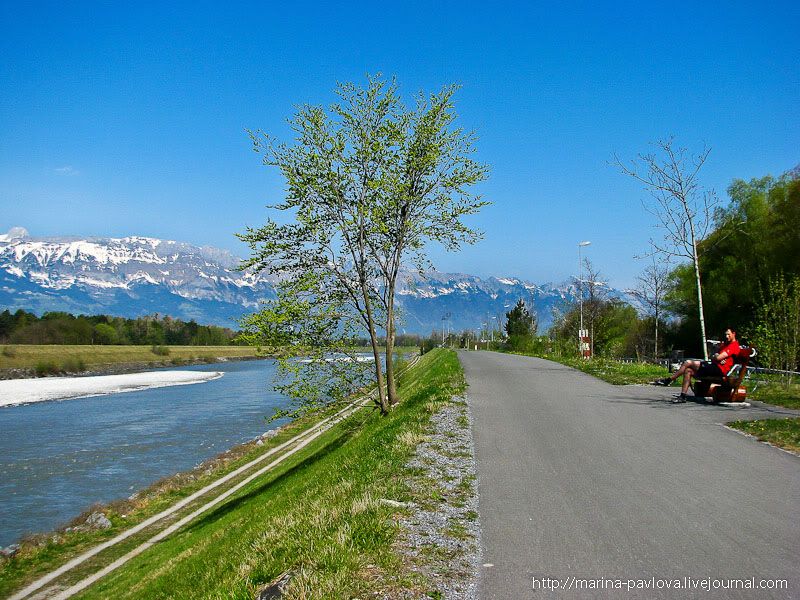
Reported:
(58, 458)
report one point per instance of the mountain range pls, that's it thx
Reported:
(136, 276)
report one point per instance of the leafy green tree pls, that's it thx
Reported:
(520, 326)
(370, 183)
(327, 287)
(7, 323)
(776, 327)
(423, 196)
(105, 334)
(754, 241)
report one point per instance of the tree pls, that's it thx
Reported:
(595, 303)
(423, 196)
(327, 283)
(754, 241)
(682, 208)
(105, 334)
(776, 326)
(368, 183)
(651, 289)
(614, 324)
(520, 327)
(520, 321)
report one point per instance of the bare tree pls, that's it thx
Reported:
(650, 291)
(682, 207)
(597, 294)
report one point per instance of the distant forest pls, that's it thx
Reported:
(23, 327)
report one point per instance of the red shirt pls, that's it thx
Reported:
(732, 350)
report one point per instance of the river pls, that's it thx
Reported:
(58, 458)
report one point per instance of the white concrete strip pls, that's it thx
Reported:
(302, 439)
(25, 391)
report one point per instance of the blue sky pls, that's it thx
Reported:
(120, 119)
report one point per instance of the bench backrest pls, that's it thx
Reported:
(740, 362)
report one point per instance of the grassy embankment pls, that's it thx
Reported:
(318, 515)
(55, 359)
(784, 433)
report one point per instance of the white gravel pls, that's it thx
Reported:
(450, 560)
(25, 391)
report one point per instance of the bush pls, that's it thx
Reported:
(73, 365)
(400, 363)
(46, 367)
(9, 351)
(160, 350)
(427, 345)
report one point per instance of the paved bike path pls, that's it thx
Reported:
(581, 478)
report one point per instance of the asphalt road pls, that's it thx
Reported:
(579, 478)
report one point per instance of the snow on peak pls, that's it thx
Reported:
(15, 233)
(137, 239)
(72, 252)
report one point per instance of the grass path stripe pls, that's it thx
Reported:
(309, 435)
(84, 583)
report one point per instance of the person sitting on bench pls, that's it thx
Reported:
(720, 364)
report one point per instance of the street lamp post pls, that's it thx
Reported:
(580, 301)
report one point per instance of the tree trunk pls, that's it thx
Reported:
(700, 299)
(655, 345)
(391, 383)
(376, 353)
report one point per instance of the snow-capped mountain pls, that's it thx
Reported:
(135, 276)
(129, 277)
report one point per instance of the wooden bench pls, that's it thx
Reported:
(727, 388)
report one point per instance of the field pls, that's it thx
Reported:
(51, 360)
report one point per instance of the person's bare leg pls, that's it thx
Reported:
(691, 365)
(687, 380)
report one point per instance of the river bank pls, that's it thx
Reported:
(348, 516)
(57, 458)
(15, 392)
(32, 361)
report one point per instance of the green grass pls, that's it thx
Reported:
(319, 516)
(53, 359)
(42, 553)
(778, 394)
(784, 433)
(611, 371)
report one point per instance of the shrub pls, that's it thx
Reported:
(399, 363)
(160, 350)
(9, 351)
(46, 367)
(73, 365)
